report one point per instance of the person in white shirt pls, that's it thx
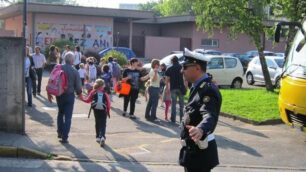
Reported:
(92, 72)
(82, 73)
(39, 64)
(67, 49)
(77, 57)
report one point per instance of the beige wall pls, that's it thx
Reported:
(240, 44)
(158, 47)
(183, 30)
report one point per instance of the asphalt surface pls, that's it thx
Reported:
(140, 145)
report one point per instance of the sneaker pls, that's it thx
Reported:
(124, 113)
(98, 139)
(132, 116)
(102, 142)
(156, 120)
(64, 141)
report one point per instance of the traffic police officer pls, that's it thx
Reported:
(199, 149)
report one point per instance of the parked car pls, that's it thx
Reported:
(211, 52)
(226, 70)
(253, 53)
(129, 53)
(166, 60)
(280, 55)
(254, 71)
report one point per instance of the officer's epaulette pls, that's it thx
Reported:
(203, 84)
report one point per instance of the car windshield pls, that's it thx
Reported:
(280, 62)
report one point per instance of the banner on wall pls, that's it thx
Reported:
(86, 36)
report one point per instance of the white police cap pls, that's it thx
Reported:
(194, 57)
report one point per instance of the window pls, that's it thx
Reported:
(230, 62)
(270, 63)
(210, 42)
(215, 63)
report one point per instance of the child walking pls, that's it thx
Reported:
(166, 100)
(82, 73)
(100, 104)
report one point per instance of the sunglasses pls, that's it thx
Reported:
(186, 66)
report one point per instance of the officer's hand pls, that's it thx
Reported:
(195, 133)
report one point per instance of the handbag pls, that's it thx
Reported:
(32, 73)
(123, 88)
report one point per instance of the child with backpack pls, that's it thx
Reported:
(100, 104)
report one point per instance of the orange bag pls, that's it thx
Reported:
(123, 88)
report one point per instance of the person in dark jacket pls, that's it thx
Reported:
(199, 148)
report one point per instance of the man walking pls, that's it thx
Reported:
(65, 102)
(174, 77)
(39, 63)
(199, 148)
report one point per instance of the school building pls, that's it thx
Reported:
(147, 35)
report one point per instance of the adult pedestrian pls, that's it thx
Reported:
(53, 57)
(174, 78)
(199, 148)
(153, 90)
(77, 57)
(67, 49)
(39, 62)
(133, 76)
(28, 81)
(65, 101)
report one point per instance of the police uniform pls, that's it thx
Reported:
(202, 110)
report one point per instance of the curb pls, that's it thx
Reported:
(22, 152)
(249, 121)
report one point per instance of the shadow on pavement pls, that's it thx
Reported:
(78, 153)
(243, 130)
(121, 160)
(226, 143)
(153, 127)
(38, 116)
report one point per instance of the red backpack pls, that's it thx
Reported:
(58, 82)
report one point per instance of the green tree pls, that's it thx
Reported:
(151, 6)
(240, 16)
(293, 10)
(175, 7)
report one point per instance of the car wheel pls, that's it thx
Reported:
(237, 83)
(250, 78)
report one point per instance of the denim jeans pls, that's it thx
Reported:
(100, 119)
(65, 104)
(28, 82)
(152, 103)
(174, 94)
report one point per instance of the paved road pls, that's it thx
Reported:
(139, 145)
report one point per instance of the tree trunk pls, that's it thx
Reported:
(289, 40)
(260, 47)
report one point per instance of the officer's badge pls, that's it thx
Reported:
(206, 99)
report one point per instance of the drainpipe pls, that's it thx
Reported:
(131, 33)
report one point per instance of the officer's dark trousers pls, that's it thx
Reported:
(132, 97)
(39, 72)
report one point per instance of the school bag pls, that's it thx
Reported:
(58, 81)
(98, 101)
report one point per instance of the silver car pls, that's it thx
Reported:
(254, 70)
